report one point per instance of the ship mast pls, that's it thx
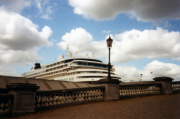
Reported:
(69, 55)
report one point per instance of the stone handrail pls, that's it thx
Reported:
(139, 89)
(68, 96)
(176, 86)
(5, 103)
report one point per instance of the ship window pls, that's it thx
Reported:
(66, 61)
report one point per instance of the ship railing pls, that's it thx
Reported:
(48, 68)
(70, 73)
(52, 71)
(46, 99)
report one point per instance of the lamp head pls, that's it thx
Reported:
(109, 42)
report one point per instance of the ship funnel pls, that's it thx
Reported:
(37, 66)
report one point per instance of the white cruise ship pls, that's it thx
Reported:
(76, 69)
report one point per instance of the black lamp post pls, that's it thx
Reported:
(109, 44)
(141, 76)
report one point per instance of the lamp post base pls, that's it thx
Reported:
(111, 89)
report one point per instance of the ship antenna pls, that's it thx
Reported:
(69, 54)
(93, 55)
(75, 55)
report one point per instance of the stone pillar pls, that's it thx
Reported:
(111, 89)
(24, 97)
(166, 82)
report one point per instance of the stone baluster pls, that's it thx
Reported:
(102, 94)
(147, 90)
(75, 96)
(85, 96)
(144, 90)
(54, 99)
(92, 95)
(47, 101)
(2, 107)
(80, 96)
(176, 86)
(62, 98)
(38, 101)
(173, 87)
(133, 90)
(125, 90)
(128, 92)
(43, 100)
(58, 99)
(96, 94)
(50, 100)
(141, 90)
(7, 108)
(89, 95)
(69, 97)
(66, 97)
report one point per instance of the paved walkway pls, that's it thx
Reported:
(152, 107)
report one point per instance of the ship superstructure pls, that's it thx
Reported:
(72, 69)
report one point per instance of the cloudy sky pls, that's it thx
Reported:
(146, 34)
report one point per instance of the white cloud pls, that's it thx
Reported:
(16, 5)
(45, 10)
(44, 6)
(127, 72)
(104, 31)
(127, 46)
(38, 5)
(135, 44)
(8, 71)
(77, 39)
(45, 16)
(20, 39)
(166, 24)
(152, 10)
(157, 68)
(178, 58)
(49, 10)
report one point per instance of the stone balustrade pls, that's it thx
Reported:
(68, 97)
(5, 103)
(133, 90)
(26, 95)
(176, 86)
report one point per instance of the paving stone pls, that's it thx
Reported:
(152, 107)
